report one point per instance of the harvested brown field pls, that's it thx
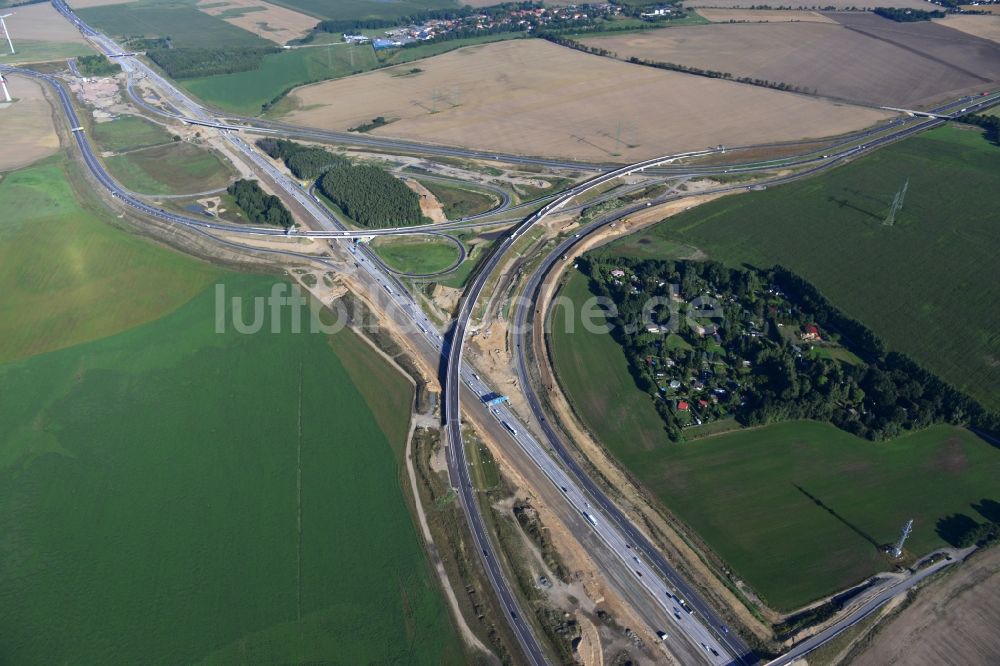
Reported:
(533, 97)
(810, 4)
(26, 130)
(976, 56)
(832, 60)
(987, 27)
(762, 16)
(41, 23)
(278, 24)
(952, 623)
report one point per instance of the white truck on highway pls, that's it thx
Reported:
(590, 518)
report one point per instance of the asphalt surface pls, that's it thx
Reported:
(616, 534)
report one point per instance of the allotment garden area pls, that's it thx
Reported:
(921, 281)
(797, 509)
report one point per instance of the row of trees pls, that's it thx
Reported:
(189, 63)
(371, 196)
(573, 44)
(97, 65)
(259, 206)
(305, 162)
(901, 15)
(879, 398)
(697, 71)
(713, 74)
(963, 531)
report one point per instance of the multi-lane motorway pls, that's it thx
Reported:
(617, 533)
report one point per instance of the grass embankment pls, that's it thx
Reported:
(128, 133)
(796, 509)
(220, 497)
(459, 202)
(417, 256)
(29, 50)
(174, 168)
(925, 285)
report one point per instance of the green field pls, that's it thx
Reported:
(747, 494)
(29, 50)
(174, 168)
(365, 9)
(419, 256)
(180, 20)
(926, 285)
(459, 202)
(66, 277)
(247, 92)
(170, 494)
(128, 133)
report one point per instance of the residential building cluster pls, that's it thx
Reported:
(505, 20)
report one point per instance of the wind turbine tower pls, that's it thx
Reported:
(6, 32)
(3, 82)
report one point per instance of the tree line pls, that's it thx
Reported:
(757, 372)
(189, 63)
(697, 71)
(368, 194)
(714, 74)
(989, 123)
(259, 206)
(907, 15)
(305, 162)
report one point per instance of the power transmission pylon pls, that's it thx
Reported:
(897, 550)
(897, 204)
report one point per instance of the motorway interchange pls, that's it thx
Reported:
(688, 615)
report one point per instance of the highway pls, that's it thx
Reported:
(651, 569)
(613, 528)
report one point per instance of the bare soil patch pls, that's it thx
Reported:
(536, 98)
(825, 59)
(953, 622)
(762, 16)
(986, 27)
(40, 23)
(26, 130)
(278, 24)
(429, 204)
